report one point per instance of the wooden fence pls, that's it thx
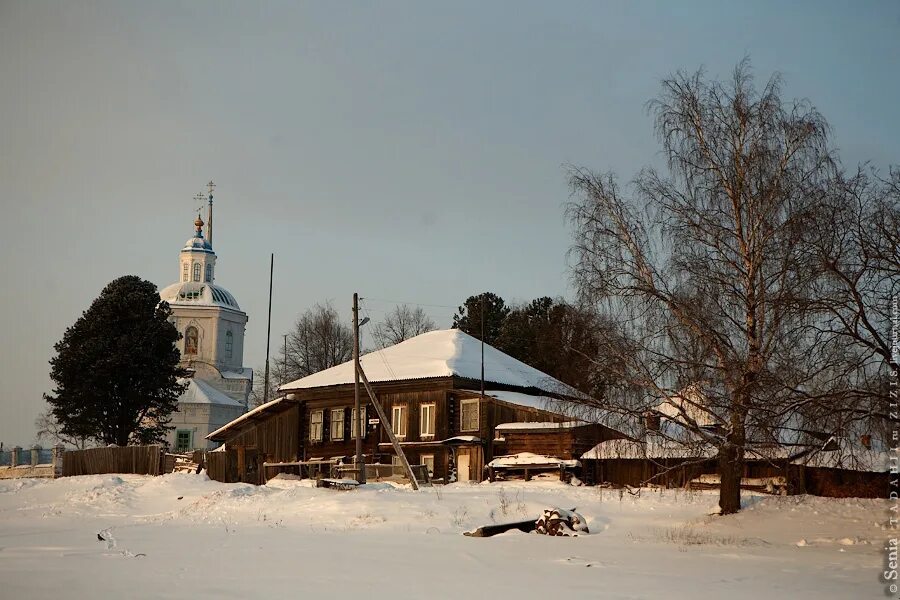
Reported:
(142, 460)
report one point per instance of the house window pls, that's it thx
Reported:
(428, 461)
(183, 440)
(229, 343)
(185, 271)
(208, 273)
(191, 340)
(426, 420)
(196, 271)
(468, 415)
(337, 424)
(398, 420)
(315, 425)
(354, 423)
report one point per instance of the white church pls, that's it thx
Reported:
(212, 346)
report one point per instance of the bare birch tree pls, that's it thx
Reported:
(402, 323)
(319, 340)
(700, 265)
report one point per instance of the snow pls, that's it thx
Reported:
(200, 392)
(525, 426)
(184, 536)
(441, 353)
(527, 458)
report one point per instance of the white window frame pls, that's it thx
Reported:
(354, 423)
(427, 421)
(186, 271)
(399, 418)
(462, 406)
(339, 435)
(315, 426)
(197, 268)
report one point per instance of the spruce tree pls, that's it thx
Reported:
(116, 368)
(468, 316)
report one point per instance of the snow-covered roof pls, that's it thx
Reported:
(193, 293)
(201, 392)
(655, 447)
(442, 353)
(851, 457)
(527, 458)
(245, 373)
(247, 416)
(528, 425)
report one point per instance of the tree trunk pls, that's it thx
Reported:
(731, 468)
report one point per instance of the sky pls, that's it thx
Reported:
(409, 151)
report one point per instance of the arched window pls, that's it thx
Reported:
(191, 340)
(185, 271)
(229, 344)
(208, 273)
(196, 271)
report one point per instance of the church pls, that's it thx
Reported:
(212, 327)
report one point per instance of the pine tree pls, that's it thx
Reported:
(116, 368)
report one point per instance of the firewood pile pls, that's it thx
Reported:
(561, 522)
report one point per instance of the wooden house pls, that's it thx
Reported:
(429, 387)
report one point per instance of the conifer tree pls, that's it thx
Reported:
(116, 368)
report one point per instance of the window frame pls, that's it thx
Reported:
(186, 271)
(427, 432)
(190, 440)
(313, 425)
(399, 424)
(197, 270)
(462, 405)
(331, 432)
(229, 344)
(208, 272)
(353, 422)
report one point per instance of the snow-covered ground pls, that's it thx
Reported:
(183, 536)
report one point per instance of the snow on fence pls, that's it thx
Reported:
(141, 460)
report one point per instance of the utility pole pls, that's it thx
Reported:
(360, 422)
(482, 346)
(268, 330)
(284, 362)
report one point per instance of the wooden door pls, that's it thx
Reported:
(462, 466)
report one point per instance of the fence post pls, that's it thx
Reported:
(58, 452)
(14, 459)
(35, 455)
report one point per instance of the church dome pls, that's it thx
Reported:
(191, 293)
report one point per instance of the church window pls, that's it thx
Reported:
(183, 440)
(185, 272)
(191, 340)
(196, 271)
(229, 344)
(208, 273)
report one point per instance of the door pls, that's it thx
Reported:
(462, 466)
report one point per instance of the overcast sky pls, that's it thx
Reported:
(409, 151)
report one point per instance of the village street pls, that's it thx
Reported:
(178, 536)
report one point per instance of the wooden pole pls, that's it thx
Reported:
(384, 422)
(482, 346)
(360, 422)
(268, 330)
